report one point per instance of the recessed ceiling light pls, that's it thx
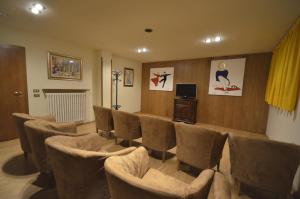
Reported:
(208, 40)
(215, 39)
(142, 50)
(37, 8)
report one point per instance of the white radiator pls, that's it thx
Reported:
(67, 107)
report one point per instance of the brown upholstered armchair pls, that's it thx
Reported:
(77, 164)
(198, 147)
(20, 119)
(158, 133)
(103, 119)
(266, 168)
(37, 131)
(129, 177)
(127, 126)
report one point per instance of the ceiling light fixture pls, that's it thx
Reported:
(208, 40)
(142, 50)
(215, 39)
(37, 8)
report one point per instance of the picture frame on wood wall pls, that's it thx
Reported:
(227, 77)
(128, 77)
(64, 67)
(161, 78)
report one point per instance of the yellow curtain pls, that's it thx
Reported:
(284, 76)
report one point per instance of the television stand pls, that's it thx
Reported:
(185, 110)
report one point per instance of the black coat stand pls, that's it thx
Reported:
(116, 75)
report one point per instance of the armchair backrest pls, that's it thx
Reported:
(158, 133)
(37, 132)
(77, 164)
(20, 119)
(264, 164)
(127, 125)
(199, 147)
(103, 118)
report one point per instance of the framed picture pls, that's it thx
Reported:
(161, 79)
(226, 77)
(128, 77)
(64, 67)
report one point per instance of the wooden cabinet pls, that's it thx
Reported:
(185, 110)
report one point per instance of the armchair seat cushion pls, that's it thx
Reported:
(159, 180)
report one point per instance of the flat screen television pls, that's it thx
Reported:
(186, 90)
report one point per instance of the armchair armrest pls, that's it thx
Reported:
(199, 188)
(220, 188)
(121, 152)
(48, 118)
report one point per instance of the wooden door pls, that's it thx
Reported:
(13, 88)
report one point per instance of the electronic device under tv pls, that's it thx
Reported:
(186, 91)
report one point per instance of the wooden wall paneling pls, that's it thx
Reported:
(248, 112)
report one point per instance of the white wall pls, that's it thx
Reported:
(128, 97)
(37, 48)
(285, 127)
(106, 78)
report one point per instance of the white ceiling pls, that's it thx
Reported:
(248, 26)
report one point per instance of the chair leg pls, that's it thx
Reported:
(25, 155)
(96, 130)
(110, 135)
(218, 166)
(236, 186)
(163, 156)
(116, 140)
(130, 142)
(178, 164)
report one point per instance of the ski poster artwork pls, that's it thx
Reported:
(226, 77)
(161, 78)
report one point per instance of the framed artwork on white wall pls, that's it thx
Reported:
(161, 79)
(63, 67)
(128, 77)
(227, 76)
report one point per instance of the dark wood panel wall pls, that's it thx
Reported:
(248, 112)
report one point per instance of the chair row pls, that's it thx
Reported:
(33, 132)
(267, 167)
(77, 160)
(260, 168)
(161, 135)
